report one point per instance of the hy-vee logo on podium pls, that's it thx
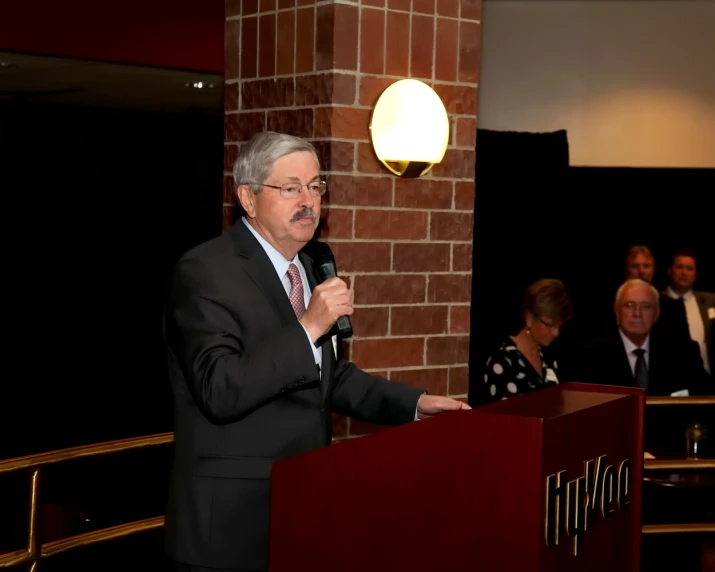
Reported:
(574, 505)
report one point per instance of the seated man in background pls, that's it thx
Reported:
(637, 355)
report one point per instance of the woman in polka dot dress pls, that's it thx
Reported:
(519, 366)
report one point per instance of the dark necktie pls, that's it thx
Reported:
(296, 291)
(641, 373)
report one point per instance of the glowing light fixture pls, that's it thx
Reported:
(409, 128)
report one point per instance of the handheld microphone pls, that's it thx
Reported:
(325, 264)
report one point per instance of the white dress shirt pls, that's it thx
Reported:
(281, 265)
(630, 346)
(695, 322)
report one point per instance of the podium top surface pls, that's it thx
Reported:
(560, 400)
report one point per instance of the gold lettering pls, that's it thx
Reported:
(555, 491)
(594, 486)
(624, 477)
(576, 503)
(607, 491)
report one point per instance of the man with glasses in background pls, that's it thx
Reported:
(254, 371)
(635, 355)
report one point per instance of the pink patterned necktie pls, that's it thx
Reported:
(296, 291)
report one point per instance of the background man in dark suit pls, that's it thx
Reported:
(697, 308)
(254, 371)
(635, 354)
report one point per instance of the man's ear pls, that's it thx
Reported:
(247, 199)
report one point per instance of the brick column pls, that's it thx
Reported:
(316, 70)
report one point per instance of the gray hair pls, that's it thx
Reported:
(638, 282)
(256, 159)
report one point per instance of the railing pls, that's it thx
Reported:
(34, 552)
(679, 464)
(690, 400)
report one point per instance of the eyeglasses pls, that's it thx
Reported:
(293, 190)
(550, 326)
(642, 306)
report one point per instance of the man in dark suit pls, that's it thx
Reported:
(635, 355)
(254, 371)
(696, 308)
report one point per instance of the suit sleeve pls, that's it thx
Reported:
(227, 378)
(371, 398)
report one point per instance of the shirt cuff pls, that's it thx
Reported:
(317, 353)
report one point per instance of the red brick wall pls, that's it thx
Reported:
(404, 245)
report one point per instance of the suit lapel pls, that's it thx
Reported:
(655, 365)
(703, 307)
(260, 269)
(622, 362)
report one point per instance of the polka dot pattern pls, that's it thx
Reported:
(509, 373)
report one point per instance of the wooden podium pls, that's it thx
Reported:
(545, 481)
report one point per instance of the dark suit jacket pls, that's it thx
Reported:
(706, 304)
(247, 391)
(674, 364)
(672, 321)
(674, 318)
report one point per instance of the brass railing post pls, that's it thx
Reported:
(33, 545)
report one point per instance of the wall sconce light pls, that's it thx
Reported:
(409, 128)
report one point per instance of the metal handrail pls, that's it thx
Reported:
(685, 400)
(678, 464)
(679, 528)
(35, 551)
(52, 457)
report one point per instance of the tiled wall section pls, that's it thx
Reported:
(316, 70)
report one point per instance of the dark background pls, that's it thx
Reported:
(98, 206)
(537, 217)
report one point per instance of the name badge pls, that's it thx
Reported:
(551, 375)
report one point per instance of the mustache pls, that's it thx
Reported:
(305, 211)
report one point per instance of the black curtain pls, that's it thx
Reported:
(516, 173)
(98, 205)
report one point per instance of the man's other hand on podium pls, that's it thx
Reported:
(431, 405)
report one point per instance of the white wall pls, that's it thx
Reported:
(633, 82)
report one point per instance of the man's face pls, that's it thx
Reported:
(287, 223)
(636, 311)
(683, 273)
(641, 266)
